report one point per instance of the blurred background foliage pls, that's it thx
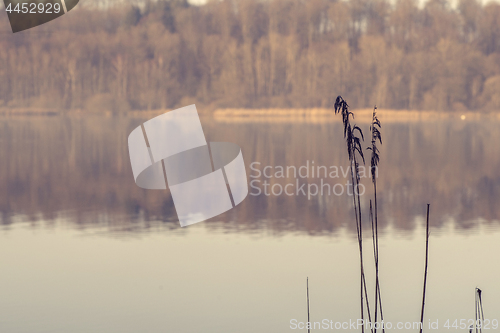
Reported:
(251, 53)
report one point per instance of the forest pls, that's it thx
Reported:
(257, 54)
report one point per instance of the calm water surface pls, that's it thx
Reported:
(82, 249)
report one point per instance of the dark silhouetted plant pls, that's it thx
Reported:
(427, 234)
(308, 318)
(353, 136)
(479, 311)
(374, 160)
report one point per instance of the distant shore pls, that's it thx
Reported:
(320, 115)
(310, 115)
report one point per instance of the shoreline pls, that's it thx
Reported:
(321, 115)
(293, 115)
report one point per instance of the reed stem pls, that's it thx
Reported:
(426, 265)
(308, 317)
(476, 308)
(479, 310)
(353, 142)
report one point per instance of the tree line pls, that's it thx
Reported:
(255, 53)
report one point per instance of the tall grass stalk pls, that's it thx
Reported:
(308, 318)
(378, 297)
(476, 309)
(425, 272)
(375, 132)
(353, 136)
(479, 310)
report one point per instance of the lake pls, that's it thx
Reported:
(83, 249)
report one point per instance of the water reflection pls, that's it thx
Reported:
(78, 169)
(229, 274)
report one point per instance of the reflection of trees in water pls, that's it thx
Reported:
(79, 169)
